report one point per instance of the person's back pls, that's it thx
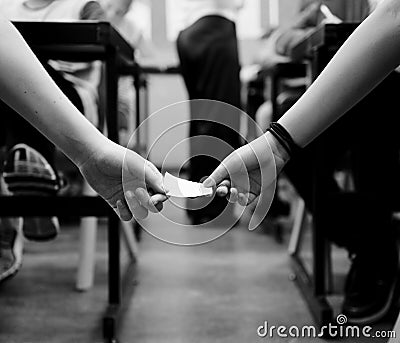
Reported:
(84, 76)
(195, 9)
(209, 63)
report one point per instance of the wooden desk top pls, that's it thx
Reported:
(331, 36)
(75, 41)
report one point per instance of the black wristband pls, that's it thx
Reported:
(284, 138)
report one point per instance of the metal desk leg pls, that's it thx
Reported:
(313, 287)
(274, 89)
(137, 84)
(110, 320)
(114, 277)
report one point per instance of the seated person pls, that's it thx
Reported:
(28, 89)
(121, 15)
(24, 144)
(117, 12)
(277, 47)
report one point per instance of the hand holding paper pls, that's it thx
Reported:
(180, 188)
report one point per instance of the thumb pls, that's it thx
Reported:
(217, 176)
(154, 178)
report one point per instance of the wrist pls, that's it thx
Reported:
(82, 151)
(280, 154)
(284, 138)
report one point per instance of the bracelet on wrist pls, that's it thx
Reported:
(284, 138)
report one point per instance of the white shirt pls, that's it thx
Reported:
(193, 10)
(129, 30)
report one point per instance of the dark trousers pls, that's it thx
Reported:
(209, 63)
(14, 129)
(369, 134)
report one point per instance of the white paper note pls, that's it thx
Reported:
(177, 187)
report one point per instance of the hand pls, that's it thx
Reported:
(110, 177)
(245, 172)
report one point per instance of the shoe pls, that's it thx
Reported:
(27, 172)
(41, 229)
(11, 247)
(370, 287)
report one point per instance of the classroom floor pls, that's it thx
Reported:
(219, 292)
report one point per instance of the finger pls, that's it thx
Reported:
(202, 179)
(225, 183)
(154, 178)
(157, 200)
(116, 211)
(243, 199)
(123, 210)
(145, 199)
(138, 211)
(233, 195)
(141, 213)
(223, 188)
(133, 203)
(251, 198)
(217, 176)
(222, 191)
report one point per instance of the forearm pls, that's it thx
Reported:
(366, 58)
(26, 87)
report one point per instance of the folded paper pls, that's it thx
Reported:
(180, 188)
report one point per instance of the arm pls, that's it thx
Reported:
(28, 89)
(366, 58)
(92, 10)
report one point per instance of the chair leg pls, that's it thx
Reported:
(297, 227)
(87, 248)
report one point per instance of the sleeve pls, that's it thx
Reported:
(130, 30)
(136, 33)
(92, 10)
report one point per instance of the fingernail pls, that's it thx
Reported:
(117, 209)
(208, 182)
(129, 194)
